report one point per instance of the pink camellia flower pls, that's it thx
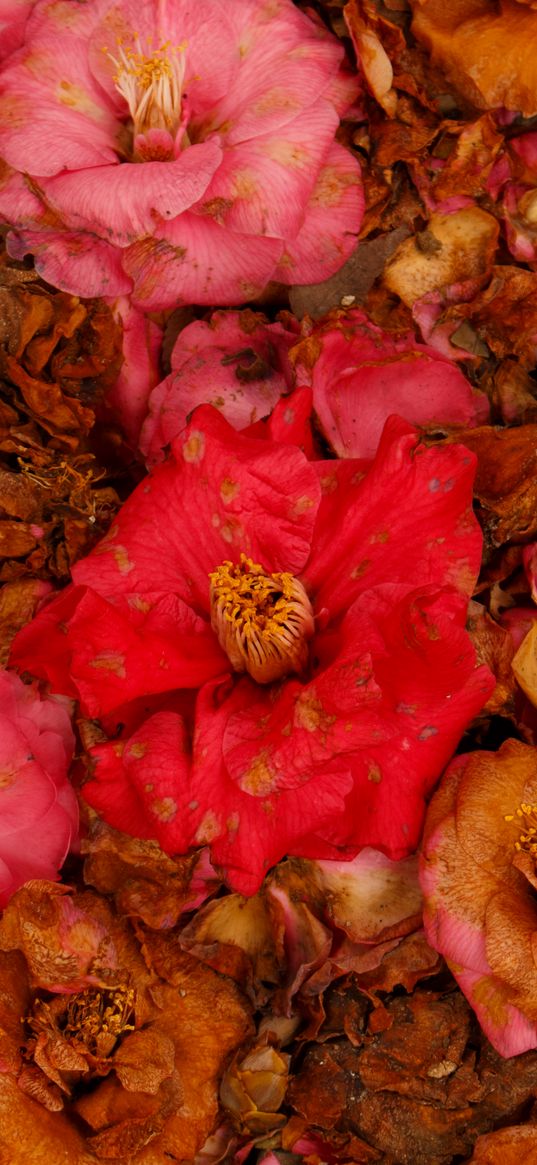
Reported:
(360, 375)
(237, 361)
(478, 877)
(182, 152)
(318, 610)
(38, 806)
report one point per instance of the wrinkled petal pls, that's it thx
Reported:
(426, 526)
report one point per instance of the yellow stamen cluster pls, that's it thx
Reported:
(95, 1018)
(527, 816)
(151, 83)
(263, 621)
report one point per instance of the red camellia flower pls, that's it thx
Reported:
(181, 152)
(318, 610)
(38, 806)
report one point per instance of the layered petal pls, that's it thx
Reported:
(249, 831)
(221, 494)
(236, 362)
(36, 748)
(425, 527)
(477, 875)
(123, 203)
(360, 375)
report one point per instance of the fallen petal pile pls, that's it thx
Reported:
(268, 582)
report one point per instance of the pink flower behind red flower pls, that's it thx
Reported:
(38, 807)
(321, 762)
(237, 361)
(360, 375)
(215, 172)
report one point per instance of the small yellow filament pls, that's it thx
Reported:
(263, 621)
(151, 83)
(526, 815)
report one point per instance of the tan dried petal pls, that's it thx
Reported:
(456, 248)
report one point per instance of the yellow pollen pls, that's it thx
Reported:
(526, 816)
(95, 1017)
(263, 621)
(151, 83)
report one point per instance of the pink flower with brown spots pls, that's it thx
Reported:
(291, 636)
(177, 151)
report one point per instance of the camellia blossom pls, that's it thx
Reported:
(317, 608)
(360, 375)
(236, 361)
(38, 806)
(178, 151)
(478, 877)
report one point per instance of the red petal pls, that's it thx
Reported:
(142, 786)
(221, 495)
(408, 519)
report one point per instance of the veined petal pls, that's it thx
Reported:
(333, 217)
(141, 786)
(110, 654)
(79, 263)
(221, 495)
(263, 184)
(123, 202)
(195, 260)
(413, 505)
(250, 832)
(52, 113)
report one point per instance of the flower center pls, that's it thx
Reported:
(152, 84)
(95, 1018)
(263, 621)
(527, 816)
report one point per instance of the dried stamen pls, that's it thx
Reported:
(263, 621)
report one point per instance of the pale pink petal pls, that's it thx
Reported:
(264, 184)
(237, 362)
(287, 61)
(332, 221)
(125, 202)
(56, 116)
(127, 401)
(79, 263)
(195, 260)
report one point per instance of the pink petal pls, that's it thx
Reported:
(124, 202)
(286, 63)
(36, 799)
(55, 115)
(216, 363)
(127, 401)
(333, 217)
(195, 260)
(363, 375)
(264, 184)
(78, 263)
